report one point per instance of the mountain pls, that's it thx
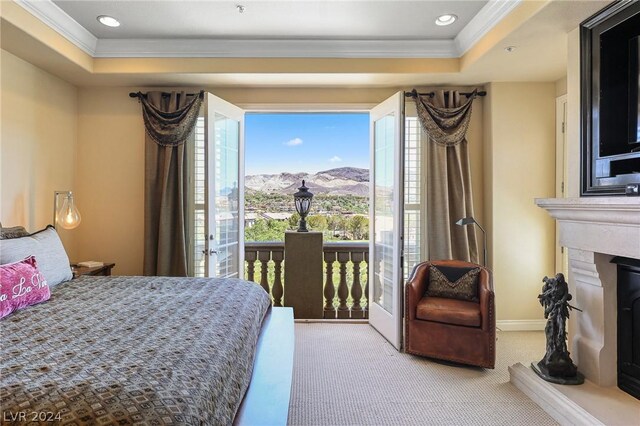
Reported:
(339, 181)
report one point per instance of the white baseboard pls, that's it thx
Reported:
(502, 325)
(521, 325)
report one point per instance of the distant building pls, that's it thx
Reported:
(277, 216)
(250, 219)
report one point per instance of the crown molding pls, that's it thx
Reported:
(256, 48)
(49, 13)
(492, 13)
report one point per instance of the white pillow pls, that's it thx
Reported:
(48, 250)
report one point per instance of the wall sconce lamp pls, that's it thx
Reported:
(303, 199)
(471, 221)
(65, 214)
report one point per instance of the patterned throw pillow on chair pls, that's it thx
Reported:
(463, 288)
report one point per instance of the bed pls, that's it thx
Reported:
(148, 350)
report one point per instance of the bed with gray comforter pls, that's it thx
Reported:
(132, 350)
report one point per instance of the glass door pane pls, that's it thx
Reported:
(386, 216)
(225, 254)
(383, 212)
(225, 192)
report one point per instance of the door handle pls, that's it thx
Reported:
(209, 252)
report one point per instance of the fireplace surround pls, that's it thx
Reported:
(595, 230)
(628, 325)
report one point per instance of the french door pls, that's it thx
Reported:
(224, 189)
(386, 218)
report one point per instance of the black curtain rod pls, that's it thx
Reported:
(164, 94)
(432, 94)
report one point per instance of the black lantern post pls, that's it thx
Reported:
(303, 204)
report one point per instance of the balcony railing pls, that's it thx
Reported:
(260, 255)
(346, 283)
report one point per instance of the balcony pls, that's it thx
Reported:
(345, 276)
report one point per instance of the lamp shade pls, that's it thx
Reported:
(466, 221)
(471, 221)
(67, 215)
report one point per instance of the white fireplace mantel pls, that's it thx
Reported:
(595, 229)
(608, 225)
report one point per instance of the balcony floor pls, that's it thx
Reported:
(349, 374)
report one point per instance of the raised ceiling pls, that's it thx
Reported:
(285, 44)
(300, 19)
(282, 28)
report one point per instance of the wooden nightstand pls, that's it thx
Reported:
(104, 270)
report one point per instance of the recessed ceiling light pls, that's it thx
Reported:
(510, 48)
(447, 19)
(109, 21)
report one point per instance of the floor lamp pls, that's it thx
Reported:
(471, 221)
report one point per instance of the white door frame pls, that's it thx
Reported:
(389, 324)
(214, 104)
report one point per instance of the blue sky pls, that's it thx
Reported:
(305, 142)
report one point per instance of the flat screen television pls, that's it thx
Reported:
(610, 92)
(634, 90)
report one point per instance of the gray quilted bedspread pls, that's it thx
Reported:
(132, 350)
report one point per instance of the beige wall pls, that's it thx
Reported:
(520, 121)
(110, 174)
(561, 86)
(38, 145)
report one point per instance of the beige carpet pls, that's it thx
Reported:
(347, 374)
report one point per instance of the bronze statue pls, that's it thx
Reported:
(557, 366)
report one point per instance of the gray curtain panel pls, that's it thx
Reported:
(169, 122)
(445, 120)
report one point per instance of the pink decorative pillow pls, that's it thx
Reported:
(21, 285)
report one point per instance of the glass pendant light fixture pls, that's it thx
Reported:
(65, 214)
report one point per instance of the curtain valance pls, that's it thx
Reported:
(445, 125)
(172, 127)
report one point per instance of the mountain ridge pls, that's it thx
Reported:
(337, 181)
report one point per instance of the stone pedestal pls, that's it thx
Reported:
(303, 274)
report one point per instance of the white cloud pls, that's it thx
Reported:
(294, 142)
(335, 159)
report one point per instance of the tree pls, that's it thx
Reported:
(266, 230)
(294, 221)
(342, 226)
(358, 226)
(333, 221)
(317, 222)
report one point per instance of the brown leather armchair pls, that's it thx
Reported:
(450, 329)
